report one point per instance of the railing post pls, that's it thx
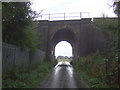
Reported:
(49, 17)
(80, 15)
(88, 14)
(64, 16)
(41, 17)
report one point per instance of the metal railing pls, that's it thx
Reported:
(65, 16)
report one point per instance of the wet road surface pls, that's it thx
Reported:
(63, 76)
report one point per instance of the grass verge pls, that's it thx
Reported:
(27, 79)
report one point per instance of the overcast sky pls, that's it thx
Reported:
(94, 7)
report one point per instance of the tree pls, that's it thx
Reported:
(117, 12)
(116, 6)
(17, 21)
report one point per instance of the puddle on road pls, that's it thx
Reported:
(64, 66)
(62, 77)
(70, 71)
(56, 70)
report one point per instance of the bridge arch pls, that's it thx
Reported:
(64, 34)
(84, 37)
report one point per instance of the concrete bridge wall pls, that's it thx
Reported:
(84, 37)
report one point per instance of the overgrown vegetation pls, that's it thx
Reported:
(18, 25)
(108, 25)
(98, 70)
(108, 70)
(18, 28)
(17, 78)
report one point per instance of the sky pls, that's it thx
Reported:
(63, 48)
(95, 8)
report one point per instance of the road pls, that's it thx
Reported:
(63, 76)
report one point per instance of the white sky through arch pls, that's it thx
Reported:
(63, 48)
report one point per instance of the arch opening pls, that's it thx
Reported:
(64, 34)
(63, 50)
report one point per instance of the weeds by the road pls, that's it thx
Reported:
(27, 79)
(98, 70)
(92, 81)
